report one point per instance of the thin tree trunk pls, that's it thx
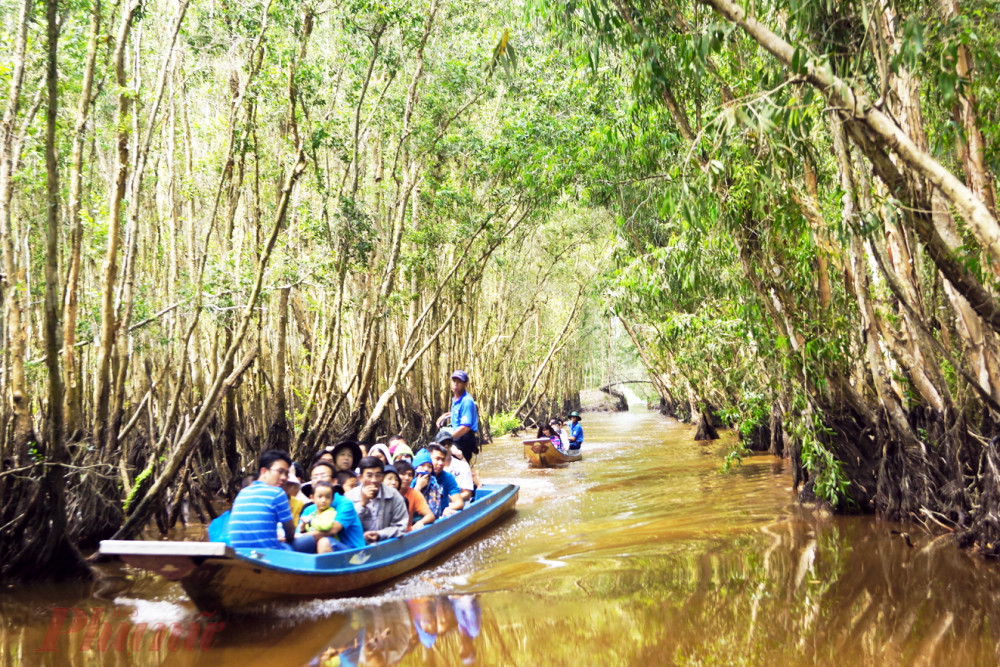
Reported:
(23, 429)
(109, 320)
(72, 403)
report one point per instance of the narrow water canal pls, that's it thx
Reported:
(641, 554)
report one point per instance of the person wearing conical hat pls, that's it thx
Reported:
(575, 432)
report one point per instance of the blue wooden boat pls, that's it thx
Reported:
(219, 578)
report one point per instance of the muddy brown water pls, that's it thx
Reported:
(641, 554)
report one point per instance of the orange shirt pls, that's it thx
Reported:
(417, 505)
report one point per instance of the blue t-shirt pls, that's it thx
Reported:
(464, 412)
(351, 534)
(576, 431)
(256, 513)
(448, 483)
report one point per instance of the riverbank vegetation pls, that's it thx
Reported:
(269, 224)
(231, 226)
(809, 248)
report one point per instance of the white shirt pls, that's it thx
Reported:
(462, 472)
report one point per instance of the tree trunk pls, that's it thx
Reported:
(72, 403)
(23, 428)
(109, 319)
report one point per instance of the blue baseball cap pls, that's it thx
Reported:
(461, 376)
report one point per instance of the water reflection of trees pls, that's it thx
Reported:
(806, 590)
(433, 630)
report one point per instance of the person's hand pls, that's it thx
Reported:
(421, 483)
(449, 511)
(371, 536)
(443, 419)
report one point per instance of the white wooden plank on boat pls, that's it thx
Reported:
(153, 548)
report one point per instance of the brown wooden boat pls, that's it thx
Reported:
(541, 453)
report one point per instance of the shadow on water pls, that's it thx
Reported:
(641, 554)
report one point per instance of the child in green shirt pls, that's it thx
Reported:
(319, 528)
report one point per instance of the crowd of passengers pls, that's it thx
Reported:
(565, 437)
(352, 498)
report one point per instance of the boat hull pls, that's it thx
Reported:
(227, 580)
(541, 453)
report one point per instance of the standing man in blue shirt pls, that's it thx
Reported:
(464, 416)
(575, 432)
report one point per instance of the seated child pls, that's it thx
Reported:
(351, 534)
(318, 530)
(426, 483)
(347, 480)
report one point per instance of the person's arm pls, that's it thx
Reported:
(443, 419)
(424, 510)
(456, 503)
(335, 527)
(460, 431)
(454, 493)
(289, 531)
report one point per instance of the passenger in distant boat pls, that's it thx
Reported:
(558, 427)
(420, 513)
(456, 466)
(575, 433)
(346, 456)
(382, 510)
(263, 505)
(547, 431)
(464, 416)
(318, 531)
(381, 452)
(439, 487)
(402, 452)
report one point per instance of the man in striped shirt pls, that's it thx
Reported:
(260, 507)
